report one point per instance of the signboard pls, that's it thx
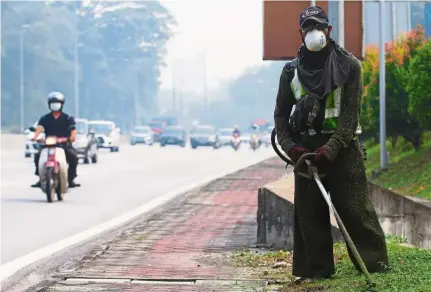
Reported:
(281, 37)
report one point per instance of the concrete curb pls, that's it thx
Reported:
(275, 215)
(399, 215)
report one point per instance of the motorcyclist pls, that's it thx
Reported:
(59, 124)
(236, 131)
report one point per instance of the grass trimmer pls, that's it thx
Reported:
(314, 174)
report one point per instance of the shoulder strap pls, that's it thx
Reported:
(294, 63)
(290, 67)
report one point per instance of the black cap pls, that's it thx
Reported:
(313, 14)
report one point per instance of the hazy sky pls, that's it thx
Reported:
(230, 31)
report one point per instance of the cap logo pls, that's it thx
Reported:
(310, 12)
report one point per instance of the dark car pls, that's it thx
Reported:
(203, 136)
(173, 136)
(157, 128)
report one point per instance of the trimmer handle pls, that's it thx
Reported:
(311, 168)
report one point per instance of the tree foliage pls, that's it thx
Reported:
(399, 119)
(419, 86)
(121, 47)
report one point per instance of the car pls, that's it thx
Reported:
(225, 137)
(174, 135)
(245, 138)
(265, 139)
(167, 120)
(107, 134)
(31, 147)
(85, 143)
(203, 136)
(143, 135)
(157, 128)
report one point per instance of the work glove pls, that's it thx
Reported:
(296, 152)
(325, 155)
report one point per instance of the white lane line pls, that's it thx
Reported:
(8, 184)
(10, 268)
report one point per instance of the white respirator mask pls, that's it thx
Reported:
(315, 40)
(55, 106)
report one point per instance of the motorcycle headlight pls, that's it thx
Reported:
(51, 151)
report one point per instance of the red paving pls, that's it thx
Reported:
(172, 244)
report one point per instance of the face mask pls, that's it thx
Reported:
(315, 40)
(55, 106)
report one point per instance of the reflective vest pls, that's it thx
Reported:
(332, 106)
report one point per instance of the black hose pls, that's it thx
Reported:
(281, 155)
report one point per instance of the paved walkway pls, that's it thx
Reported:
(178, 248)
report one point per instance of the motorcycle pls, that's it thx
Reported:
(53, 168)
(235, 142)
(254, 142)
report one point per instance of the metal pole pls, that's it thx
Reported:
(313, 3)
(173, 86)
(21, 63)
(382, 89)
(76, 69)
(409, 16)
(394, 20)
(205, 80)
(173, 101)
(341, 23)
(364, 29)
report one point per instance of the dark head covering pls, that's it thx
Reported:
(312, 14)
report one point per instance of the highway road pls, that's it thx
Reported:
(117, 184)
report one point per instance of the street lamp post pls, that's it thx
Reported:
(21, 72)
(382, 89)
(205, 80)
(76, 69)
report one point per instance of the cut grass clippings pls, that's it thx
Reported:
(411, 270)
(409, 172)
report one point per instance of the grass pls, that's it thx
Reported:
(411, 270)
(409, 172)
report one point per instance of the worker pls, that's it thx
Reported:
(324, 83)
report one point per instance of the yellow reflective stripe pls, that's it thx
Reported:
(333, 104)
(296, 86)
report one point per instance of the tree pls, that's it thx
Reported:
(121, 48)
(419, 85)
(398, 119)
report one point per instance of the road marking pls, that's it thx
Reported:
(10, 268)
(8, 184)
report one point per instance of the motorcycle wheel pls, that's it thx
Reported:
(94, 159)
(49, 185)
(86, 158)
(60, 196)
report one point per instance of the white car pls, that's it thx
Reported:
(30, 147)
(85, 143)
(107, 134)
(245, 138)
(225, 137)
(143, 135)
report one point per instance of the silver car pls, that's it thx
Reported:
(31, 147)
(85, 143)
(225, 137)
(143, 135)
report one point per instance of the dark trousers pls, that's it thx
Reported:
(347, 184)
(71, 158)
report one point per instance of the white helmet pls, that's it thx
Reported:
(56, 101)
